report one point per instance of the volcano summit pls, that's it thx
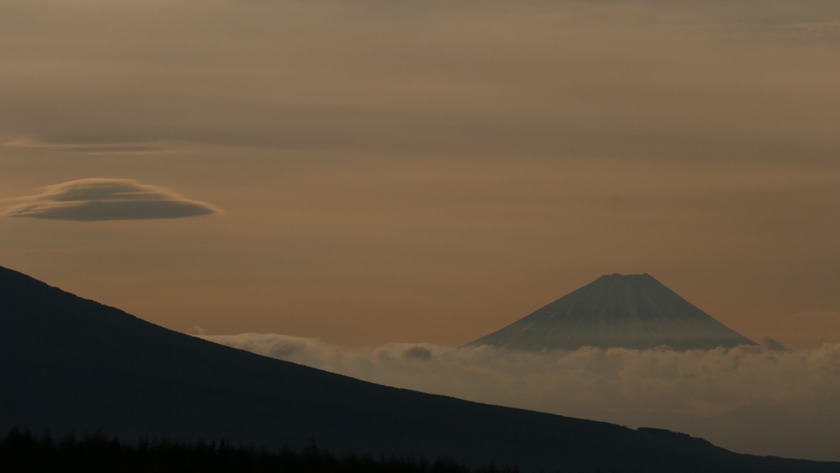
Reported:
(616, 311)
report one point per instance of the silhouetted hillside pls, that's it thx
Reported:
(69, 364)
(615, 311)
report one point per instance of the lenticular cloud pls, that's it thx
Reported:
(88, 200)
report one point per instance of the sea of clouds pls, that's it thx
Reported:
(763, 400)
(693, 382)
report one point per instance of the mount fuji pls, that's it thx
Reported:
(616, 311)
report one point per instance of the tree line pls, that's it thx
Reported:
(21, 450)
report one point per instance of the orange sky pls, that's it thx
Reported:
(397, 171)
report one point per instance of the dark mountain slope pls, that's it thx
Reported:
(616, 311)
(68, 363)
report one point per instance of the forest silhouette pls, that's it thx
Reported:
(23, 450)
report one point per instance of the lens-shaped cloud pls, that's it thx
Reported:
(87, 200)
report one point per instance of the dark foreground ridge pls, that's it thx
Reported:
(616, 311)
(69, 364)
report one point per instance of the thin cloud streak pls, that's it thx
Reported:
(140, 148)
(88, 200)
(827, 313)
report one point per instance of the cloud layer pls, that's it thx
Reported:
(87, 200)
(714, 393)
(631, 78)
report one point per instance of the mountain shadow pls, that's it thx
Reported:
(70, 364)
(616, 311)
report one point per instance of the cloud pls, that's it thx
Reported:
(702, 382)
(419, 353)
(827, 313)
(87, 200)
(96, 148)
(729, 397)
(628, 78)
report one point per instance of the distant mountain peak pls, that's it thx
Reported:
(633, 311)
(769, 344)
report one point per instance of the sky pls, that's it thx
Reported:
(389, 171)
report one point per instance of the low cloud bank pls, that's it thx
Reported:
(749, 399)
(701, 382)
(88, 200)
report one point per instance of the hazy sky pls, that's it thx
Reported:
(377, 171)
